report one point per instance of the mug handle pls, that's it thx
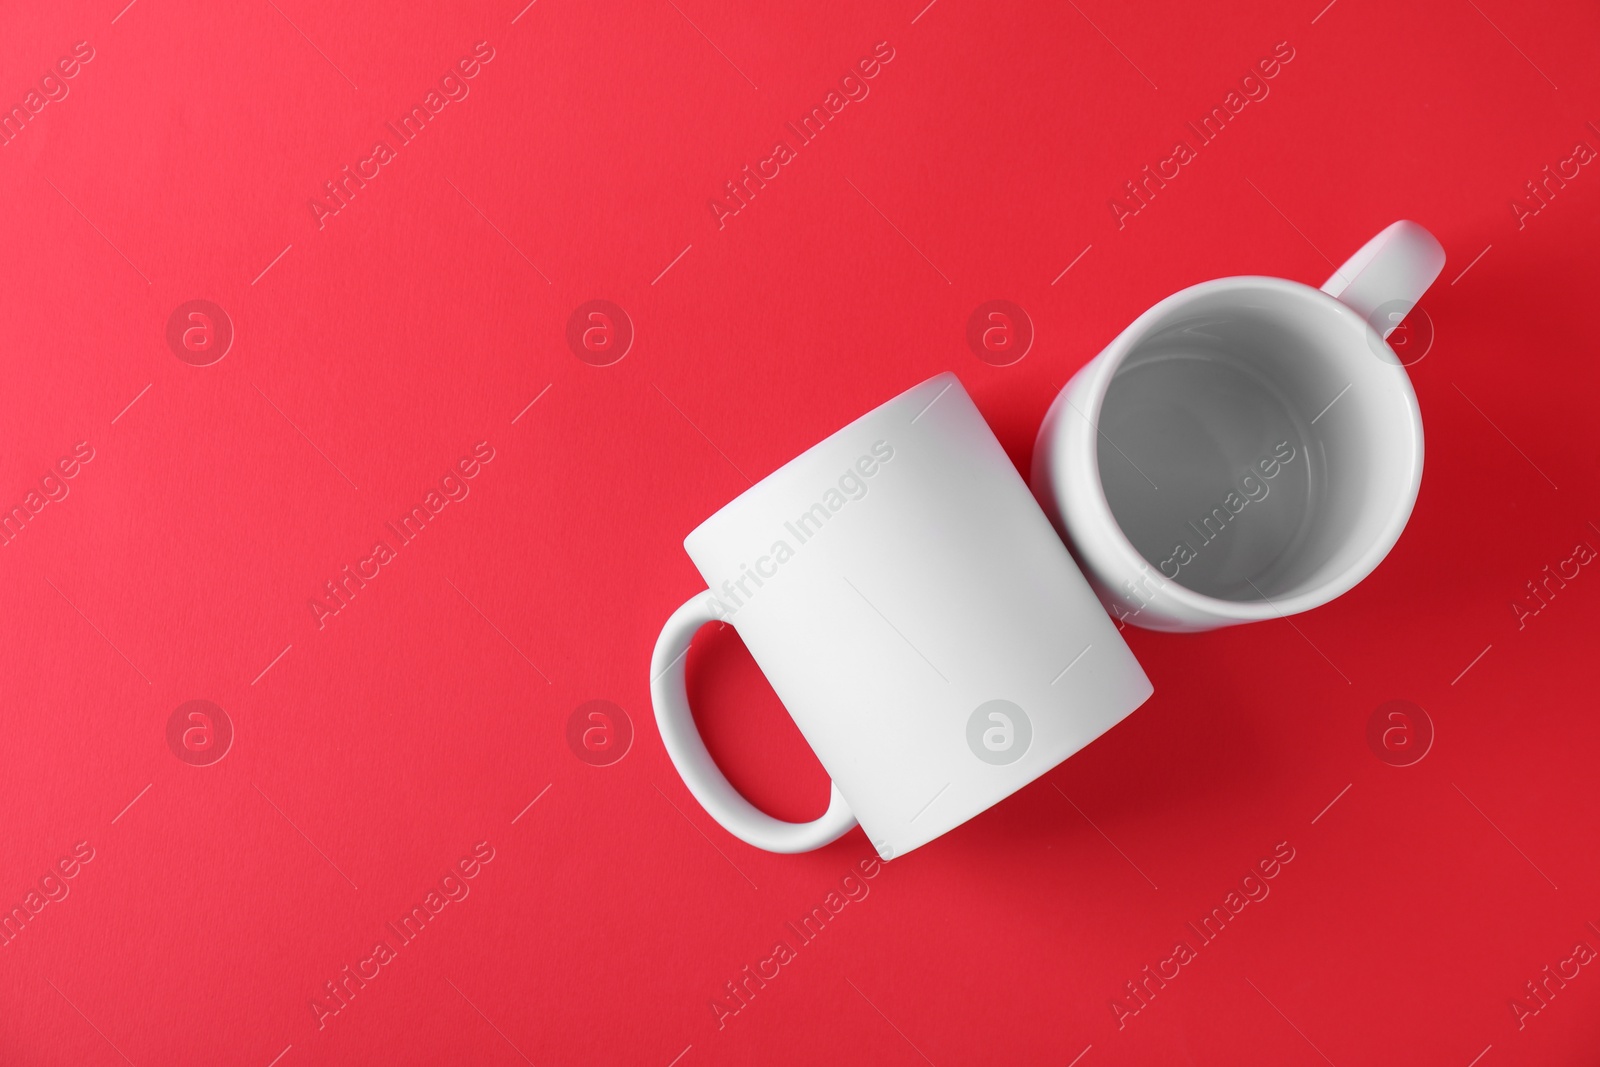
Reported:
(1389, 274)
(694, 763)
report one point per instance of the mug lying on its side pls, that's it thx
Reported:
(919, 619)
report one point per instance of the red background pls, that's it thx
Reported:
(377, 750)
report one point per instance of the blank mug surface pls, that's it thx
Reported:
(916, 614)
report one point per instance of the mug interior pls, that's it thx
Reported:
(1255, 443)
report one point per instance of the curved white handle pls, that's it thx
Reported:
(1384, 280)
(700, 773)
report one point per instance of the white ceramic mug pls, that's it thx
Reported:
(1248, 448)
(918, 617)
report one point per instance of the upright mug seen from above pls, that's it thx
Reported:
(1248, 448)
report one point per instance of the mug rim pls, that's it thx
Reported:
(806, 455)
(1103, 368)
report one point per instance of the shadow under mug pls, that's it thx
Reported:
(919, 619)
(1248, 448)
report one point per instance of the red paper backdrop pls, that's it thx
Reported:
(374, 347)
